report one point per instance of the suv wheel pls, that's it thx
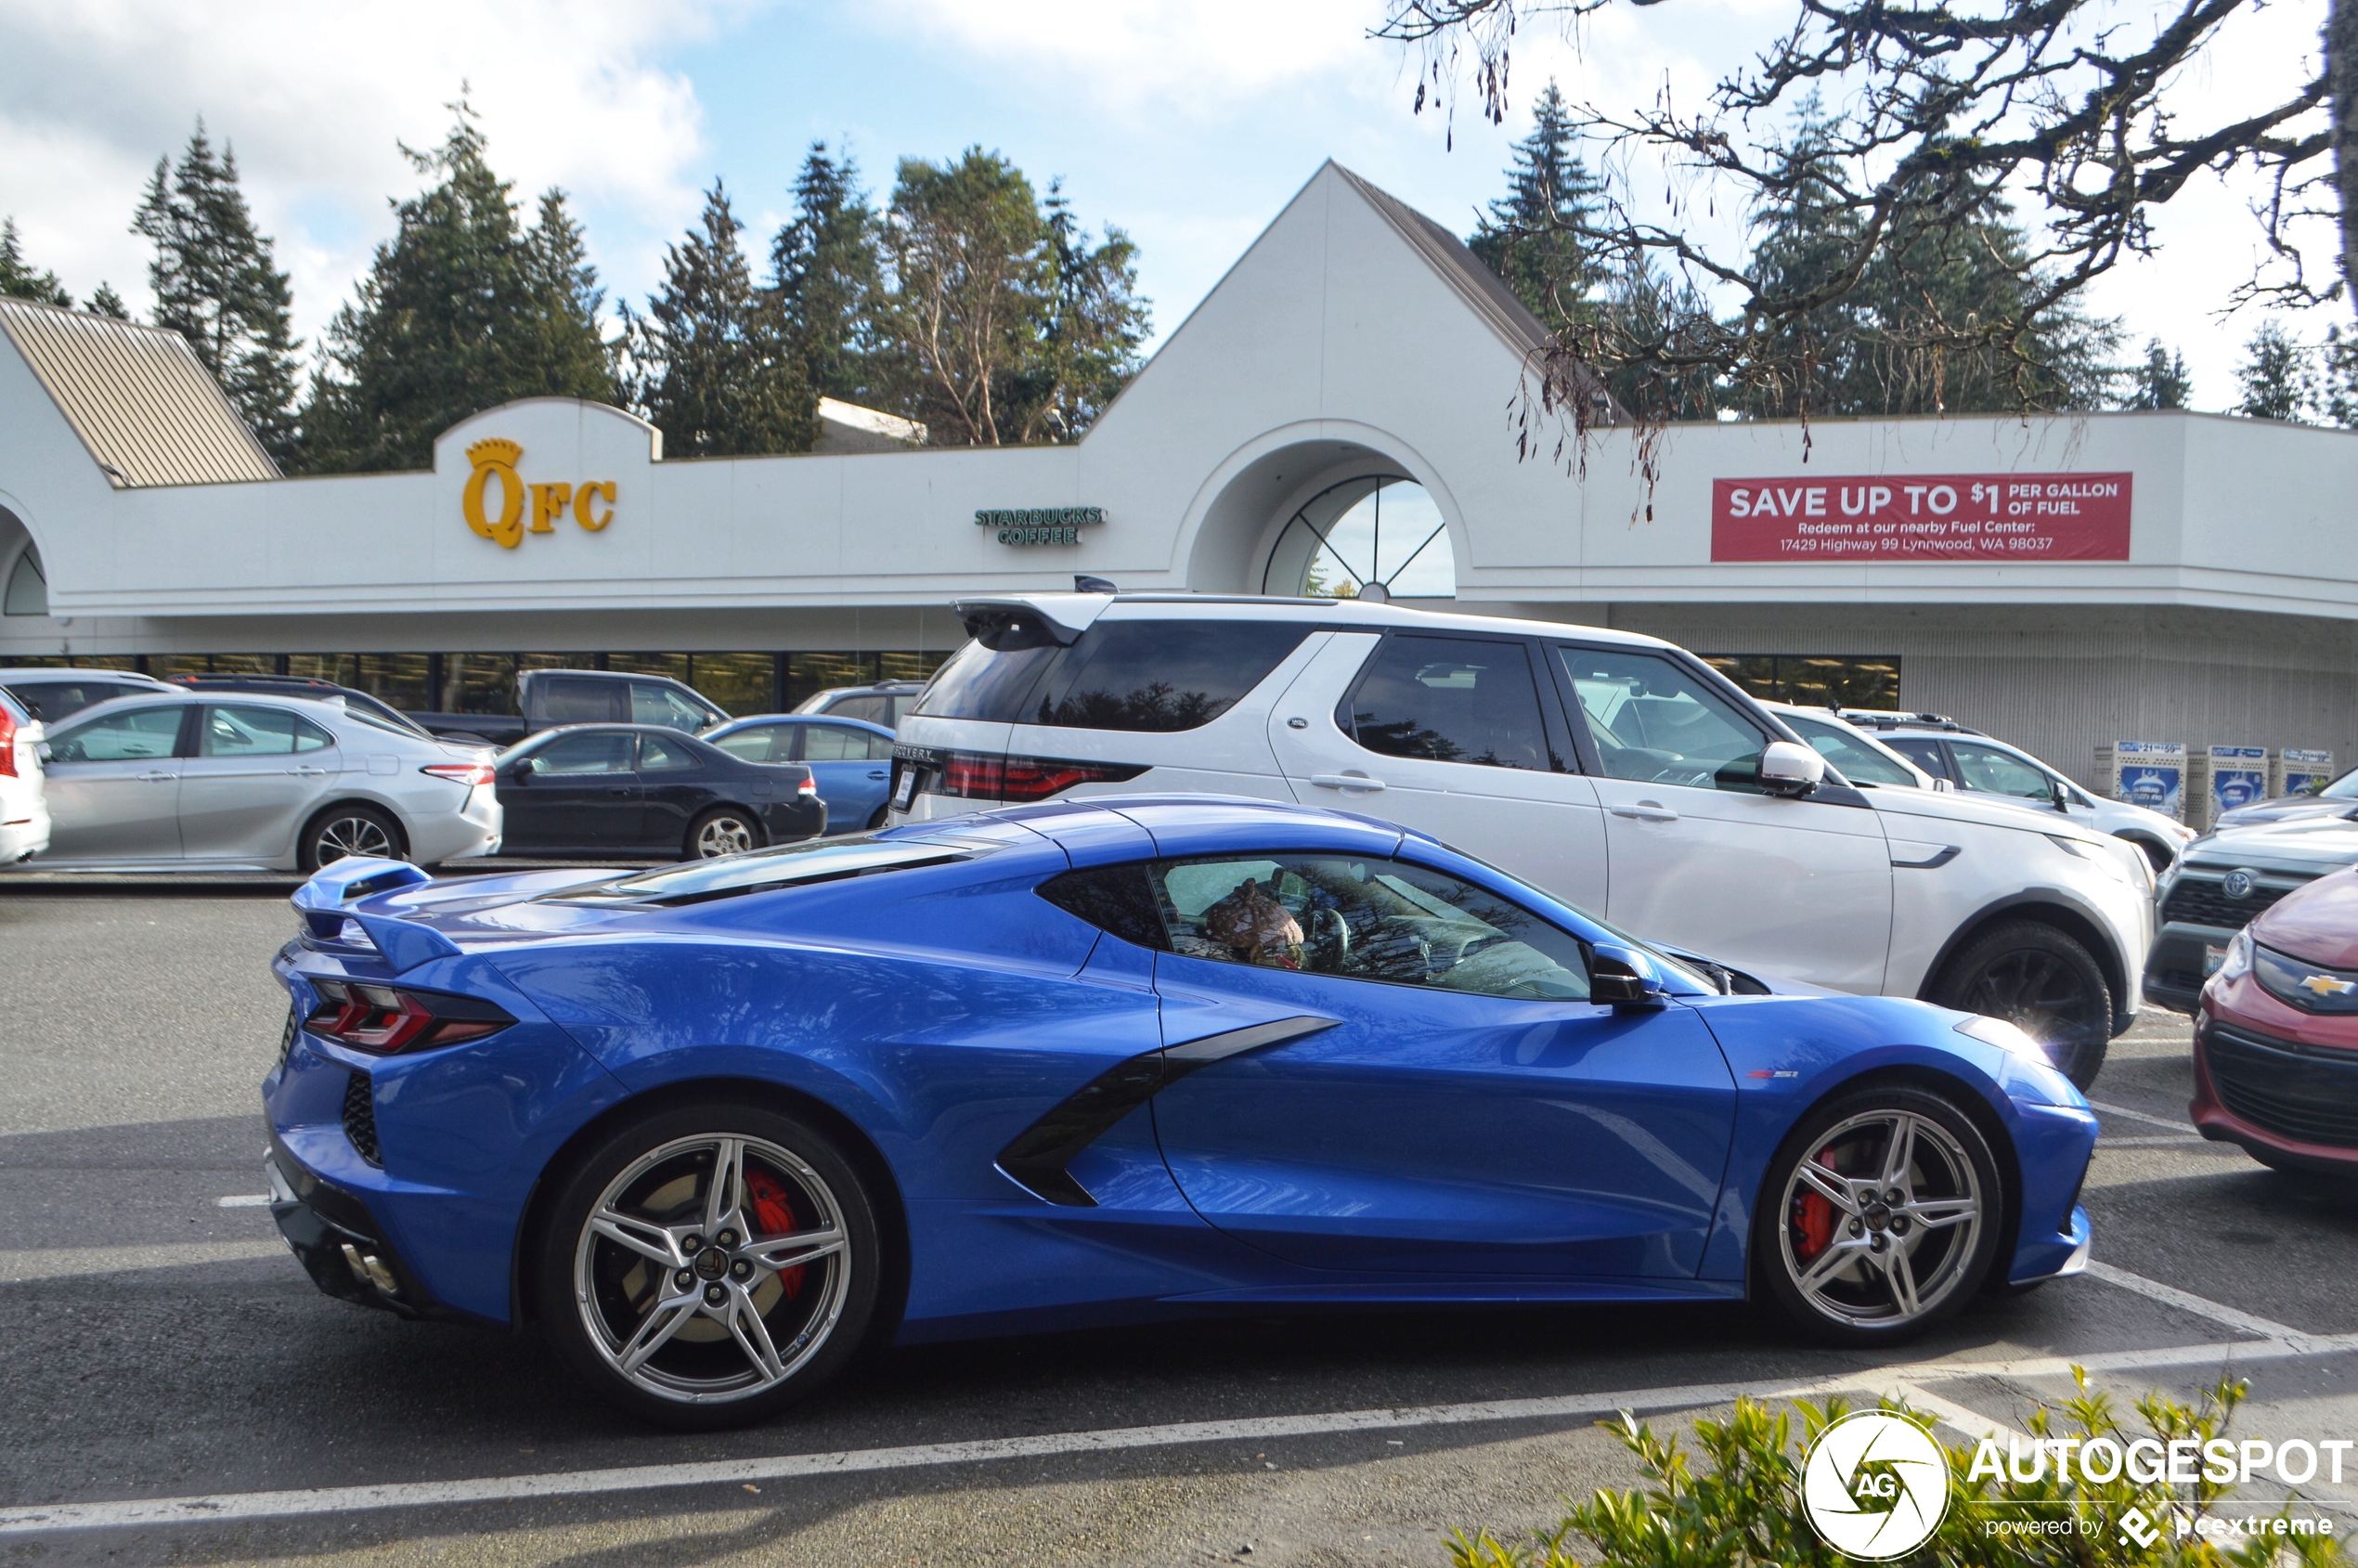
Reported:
(2028, 973)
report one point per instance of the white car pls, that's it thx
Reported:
(1618, 771)
(24, 807)
(1860, 759)
(1980, 765)
(186, 780)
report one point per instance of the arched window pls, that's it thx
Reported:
(28, 591)
(1381, 531)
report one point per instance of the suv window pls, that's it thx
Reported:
(576, 699)
(1449, 699)
(1922, 750)
(1991, 772)
(601, 752)
(1859, 762)
(236, 730)
(875, 709)
(650, 704)
(1159, 675)
(1140, 674)
(115, 737)
(1365, 919)
(52, 700)
(1656, 723)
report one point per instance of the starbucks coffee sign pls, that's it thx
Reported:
(1039, 524)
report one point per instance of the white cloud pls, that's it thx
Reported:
(313, 96)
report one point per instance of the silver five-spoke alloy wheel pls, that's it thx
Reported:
(712, 1269)
(723, 835)
(1883, 1220)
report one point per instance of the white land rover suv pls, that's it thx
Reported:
(1618, 771)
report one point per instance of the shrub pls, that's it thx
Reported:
(1741, 1507)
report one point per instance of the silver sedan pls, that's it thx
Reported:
(195, 781)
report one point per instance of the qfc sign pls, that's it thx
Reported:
(591, 502)
(1039, 524)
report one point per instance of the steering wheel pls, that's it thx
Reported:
(1329, 940)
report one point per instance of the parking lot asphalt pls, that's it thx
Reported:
(173, 1389)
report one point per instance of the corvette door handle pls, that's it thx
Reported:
(1346, 780)
(1646, 811)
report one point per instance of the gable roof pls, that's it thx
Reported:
(137, 396)
(1465, 273)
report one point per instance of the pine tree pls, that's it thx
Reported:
(1094, 323)
(462, 310)
(716, 375)
(216, 283)
(2338, 391)
(2161, 381)
(1531, 237)
(2275, 376)
(826, 274)
(104, 301)
(18, 281)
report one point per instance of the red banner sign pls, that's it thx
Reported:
(2028, 517)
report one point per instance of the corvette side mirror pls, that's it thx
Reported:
(1623, 979)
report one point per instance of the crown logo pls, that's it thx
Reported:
(497, 450)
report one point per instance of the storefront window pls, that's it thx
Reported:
(742, 683)
(1815, 679)
(164, 667)
(1382, 529)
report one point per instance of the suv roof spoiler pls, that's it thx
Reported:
(1066, 616)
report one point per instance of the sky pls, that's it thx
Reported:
(1189, 124)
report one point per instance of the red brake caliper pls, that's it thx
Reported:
(1814, 1216)
(774, 1213)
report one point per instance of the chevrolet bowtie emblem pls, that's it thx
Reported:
(2325, 985)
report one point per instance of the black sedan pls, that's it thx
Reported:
(643, 789)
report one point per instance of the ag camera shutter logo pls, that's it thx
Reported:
(1874, 1485)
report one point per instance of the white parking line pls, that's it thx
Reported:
(63, 1262)
(2182, 1127)
(244, 1200)
(1905, 1381)
(2202, 1306)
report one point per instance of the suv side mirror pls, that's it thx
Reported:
(1622, 980)
(521, 770)
(1787, 769)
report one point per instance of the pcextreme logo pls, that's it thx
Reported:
(495, 460)
(1875, 1485)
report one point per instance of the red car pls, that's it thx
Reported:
(2276, 1035)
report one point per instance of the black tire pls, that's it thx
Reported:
(877, 821)
(724, 830)
(349, 829)
(704, 1373)
(2028, 973)
(1943, 1239)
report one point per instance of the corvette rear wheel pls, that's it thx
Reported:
(1880, 1216)
(710, 1266)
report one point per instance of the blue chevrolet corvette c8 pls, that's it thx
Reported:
(717, 1125)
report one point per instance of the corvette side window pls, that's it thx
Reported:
(1365, 919)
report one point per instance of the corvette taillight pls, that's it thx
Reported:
(386, 1019)
(1018, 780)
(468, 773)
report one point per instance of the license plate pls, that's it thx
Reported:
(904, 789)
(2212, 957)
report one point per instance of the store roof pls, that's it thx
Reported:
(139, 398)
(1465, 272)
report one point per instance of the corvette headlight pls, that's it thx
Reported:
(2007, 1037)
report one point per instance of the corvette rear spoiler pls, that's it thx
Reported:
(323, 905)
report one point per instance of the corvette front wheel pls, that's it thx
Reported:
(709, 1266)
(1879, 1217)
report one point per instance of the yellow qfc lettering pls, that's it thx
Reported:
(497, 459)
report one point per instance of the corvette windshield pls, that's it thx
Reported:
(788, 865)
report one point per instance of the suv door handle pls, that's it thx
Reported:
(307, 771)
(1346, 780)
(156, 777)
(1646, 811)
